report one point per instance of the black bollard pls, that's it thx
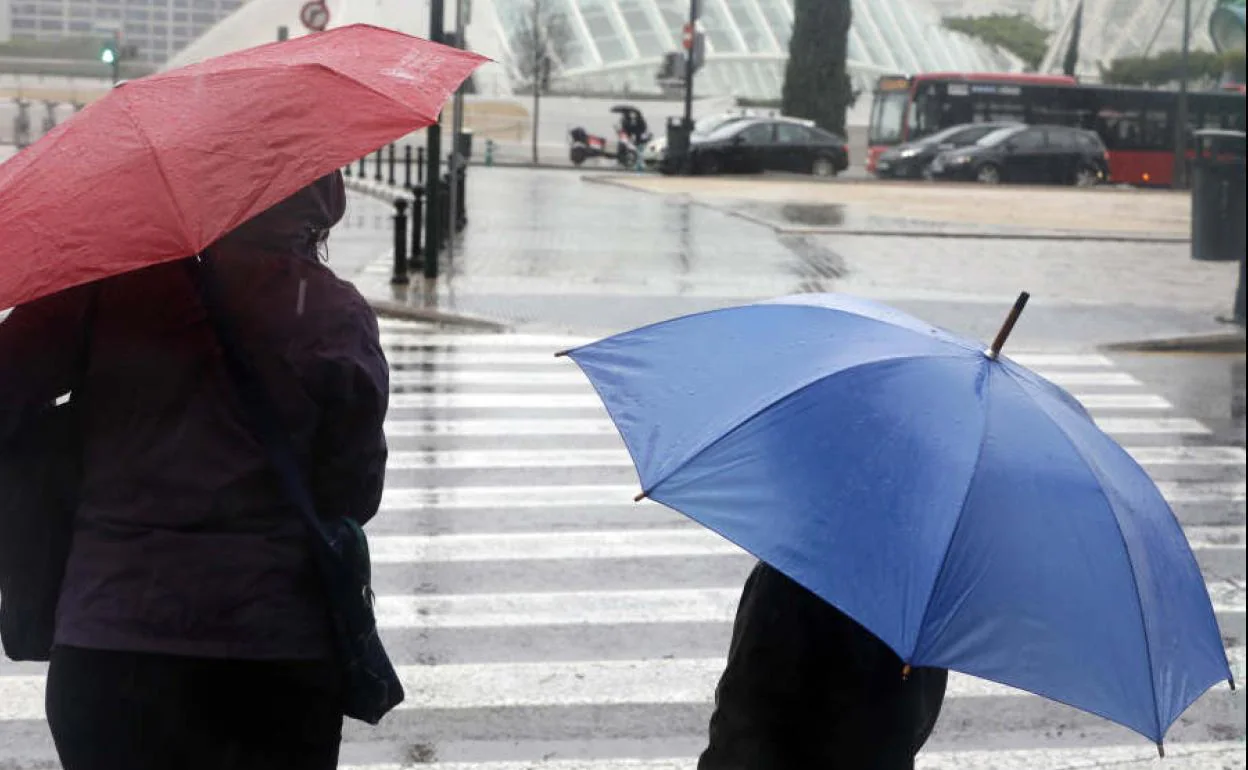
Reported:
(399, 276)
(1238, 315)
(390, 158)
(415, 254)
(420, 165)
(461, 200)
(363, 169)
(407, 166)
(377, 166)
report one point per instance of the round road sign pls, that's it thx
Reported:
(315, 15)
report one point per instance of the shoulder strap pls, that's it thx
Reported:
(258, 404)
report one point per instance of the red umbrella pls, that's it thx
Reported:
(163, 166)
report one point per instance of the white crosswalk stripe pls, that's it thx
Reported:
(505, 471)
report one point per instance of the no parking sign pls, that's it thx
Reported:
(315, 15)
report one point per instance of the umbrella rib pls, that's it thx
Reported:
(775, 402)
(966, 493)
(160, 167)
(1135, 582)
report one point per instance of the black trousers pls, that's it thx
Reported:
(137, 711)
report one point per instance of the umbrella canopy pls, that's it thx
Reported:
(163, 166)
(962, 508)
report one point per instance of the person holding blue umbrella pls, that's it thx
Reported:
(968, 513)
(807, 687)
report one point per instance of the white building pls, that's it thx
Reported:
(619, 46)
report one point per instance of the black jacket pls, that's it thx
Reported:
(807, 688)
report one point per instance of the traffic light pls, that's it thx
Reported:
(109, 53)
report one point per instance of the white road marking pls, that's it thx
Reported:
(572, 496)
(493, 459)
(631, 544)
(589, 400)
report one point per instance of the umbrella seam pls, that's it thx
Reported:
(966, 494)
(160, 168)
(776, 402)
(1135, 582)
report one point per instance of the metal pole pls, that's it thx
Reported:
(1180, 127)
(693, 39)
(407, 167)
(457, 129)
(390, 161)
(433, 155)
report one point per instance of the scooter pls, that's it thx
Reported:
(585, 145)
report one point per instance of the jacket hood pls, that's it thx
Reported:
(296, 224)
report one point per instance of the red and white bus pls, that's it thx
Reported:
(1136, 124)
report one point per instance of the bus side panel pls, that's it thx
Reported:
(1141, 167)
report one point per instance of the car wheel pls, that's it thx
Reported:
(1086, 176)
(823, 167)
(708, 165)
(988, 174)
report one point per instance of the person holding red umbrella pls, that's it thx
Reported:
(160, 249)
(191, 629)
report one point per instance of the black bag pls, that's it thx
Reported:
(372, 687)
(40, 473)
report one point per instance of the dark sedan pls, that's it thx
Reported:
(1028, 154)
(770, 144)
(910, 160)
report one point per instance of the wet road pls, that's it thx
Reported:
(541, 620)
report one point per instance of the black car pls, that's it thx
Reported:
(1028, 154)
(910, 160)
(770, 144)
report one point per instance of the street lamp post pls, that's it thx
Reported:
(433, 156)
(1180, 129)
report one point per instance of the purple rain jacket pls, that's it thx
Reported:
(184, 543)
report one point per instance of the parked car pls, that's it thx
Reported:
(770, 144)
(910, 160)
(657, 148)
(1028, 154)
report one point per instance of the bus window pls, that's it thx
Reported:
(888, 117)
(1135, 129)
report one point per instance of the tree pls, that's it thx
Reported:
(1016, 33)
(1164, 68)
(816, 79)
(541, 40)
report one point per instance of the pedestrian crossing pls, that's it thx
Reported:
(542, 620)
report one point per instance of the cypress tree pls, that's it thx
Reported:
(816, 80)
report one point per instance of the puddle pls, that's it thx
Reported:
(812, 214)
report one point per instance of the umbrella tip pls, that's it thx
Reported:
(640, 496)
(905, 672)
(561, 353)
(1231, 682)
(1161, 750)
(1008, 326)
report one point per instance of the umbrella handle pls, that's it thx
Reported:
(1008, 326)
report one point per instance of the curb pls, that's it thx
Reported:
(1217, 342)
(619, 181)
(403, 312)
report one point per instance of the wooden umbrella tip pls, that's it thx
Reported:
(561, 353)
(639, 497)
(905, 671)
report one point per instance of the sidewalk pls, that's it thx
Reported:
(546, 250)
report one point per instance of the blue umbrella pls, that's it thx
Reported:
(962, 508)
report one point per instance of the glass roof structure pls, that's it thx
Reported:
(619, 45)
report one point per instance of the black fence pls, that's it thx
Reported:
(422, 211)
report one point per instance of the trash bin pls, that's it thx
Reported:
(463, 143)
(676, 158)
(1218, 196)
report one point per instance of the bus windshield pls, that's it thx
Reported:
(888, 117)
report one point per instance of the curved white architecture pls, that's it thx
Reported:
(618, 46)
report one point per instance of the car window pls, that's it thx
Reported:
(1059, 139)
(1089, 141)
(759, 133)
(792, 133)
(993, 138)
(1028, 140)
(971, 135)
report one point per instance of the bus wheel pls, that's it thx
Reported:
(1085, 176)
(988, 174)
